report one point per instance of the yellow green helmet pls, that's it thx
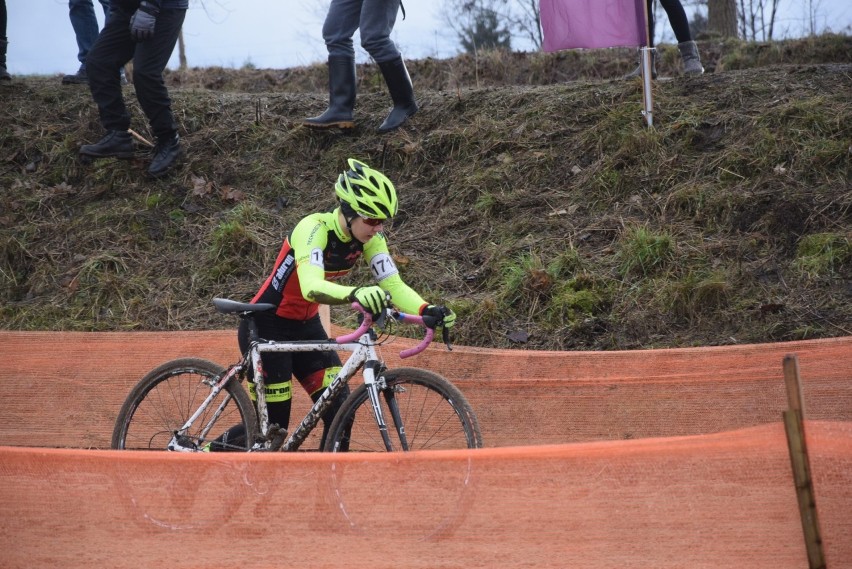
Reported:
(367, 191)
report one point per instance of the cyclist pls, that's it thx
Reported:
(321, 249)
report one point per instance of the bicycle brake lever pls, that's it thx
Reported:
(381, 320)
(446, 337)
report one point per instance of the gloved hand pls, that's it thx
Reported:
(143, 21)
(373, 298)
(434, 315)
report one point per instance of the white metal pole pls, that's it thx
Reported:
(645, 64)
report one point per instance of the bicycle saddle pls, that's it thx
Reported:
(227, 306)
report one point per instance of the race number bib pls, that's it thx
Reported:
(316, 258)
(382, 266)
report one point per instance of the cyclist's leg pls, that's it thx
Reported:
(316, 370)
(323, 378)
(278, 369)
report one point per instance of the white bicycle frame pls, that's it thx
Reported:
(361, 343)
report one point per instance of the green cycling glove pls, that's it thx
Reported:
(373, 298)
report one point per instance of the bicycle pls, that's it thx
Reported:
(425, 410)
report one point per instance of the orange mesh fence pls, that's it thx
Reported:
(709, 501)
(706, 482)
(65, 389)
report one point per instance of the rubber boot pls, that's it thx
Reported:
(638, 71)
(4, 73)
(341, 95)
(401, 92)
(691, 59)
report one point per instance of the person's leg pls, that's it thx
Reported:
(4, 43)
(638, 71)
(328, 376)
(677, 19)
(337, 31)
(680, 25)
(105, 4)
(278, 369)
(340, 24)
(651, 22)
(316, 370)
(149, 60)
(113, 48)
(378, 18)
(85, 25)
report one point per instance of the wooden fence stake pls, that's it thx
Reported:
(795, 427)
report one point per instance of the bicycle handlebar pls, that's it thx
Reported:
(399, 316)
(365, 325)
(427, 338)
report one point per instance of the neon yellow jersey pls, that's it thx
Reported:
(316, 254)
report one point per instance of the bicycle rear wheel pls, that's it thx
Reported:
(167, 397)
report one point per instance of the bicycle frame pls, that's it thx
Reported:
(361, 344)
(363, 354)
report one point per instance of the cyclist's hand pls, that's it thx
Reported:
(438, 316)
(373, 298)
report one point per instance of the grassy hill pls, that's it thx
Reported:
(535, 201)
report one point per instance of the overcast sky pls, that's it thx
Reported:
(287, 33)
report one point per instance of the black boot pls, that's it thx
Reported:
(167, 154)
(401, 91)
(78, 78)
(341, 95)
(4, 73)
(116, 144)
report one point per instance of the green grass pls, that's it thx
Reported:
(643, 251)
(534, 199)
(822, 254)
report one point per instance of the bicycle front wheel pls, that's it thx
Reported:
(423, 411)
(164, 400)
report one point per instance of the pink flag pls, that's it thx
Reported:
(570, 24)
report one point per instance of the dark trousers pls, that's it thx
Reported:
(375, 19)
(113, 49)
(677, 19)
(3, 20)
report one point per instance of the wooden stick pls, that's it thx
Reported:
(139, 137)
(796, 442)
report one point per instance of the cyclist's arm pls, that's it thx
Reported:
(309, 239)
(386, 274)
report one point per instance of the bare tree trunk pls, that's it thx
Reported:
(722, 17)
(757, 19)
(528, 22)
(181, 50)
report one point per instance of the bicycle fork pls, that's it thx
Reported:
(376, 384)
